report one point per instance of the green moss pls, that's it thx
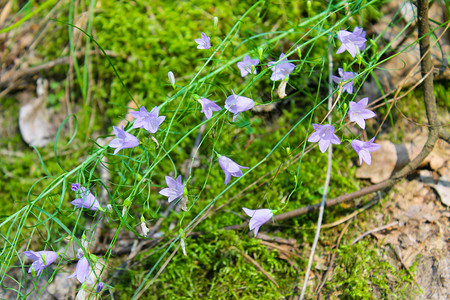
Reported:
(361, 274)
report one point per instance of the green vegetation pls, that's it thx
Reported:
(145, 40)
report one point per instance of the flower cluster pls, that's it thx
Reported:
(358, 112)
(176, 190)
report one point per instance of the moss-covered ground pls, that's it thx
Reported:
(145, 40)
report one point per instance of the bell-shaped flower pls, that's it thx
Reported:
(348, 87)
(41, 259)
(351, 41)
(359, 113)
(258, 218)
(86, 200)
(124, 140)
(204, 42)
(324, 134)
(282, 69)
(150, 121)
(364, 148)
(82, 270)
(208, 107)
(236, 104)
(230, 168)
(174, 190)
(247, 66)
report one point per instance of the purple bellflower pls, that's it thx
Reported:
(351, 41)
(230, 168)
(247, 66)
(124, 140)
(41, 259)
(281, 69)
(147, 120)
(82, 271)
(236, 104)
(174, 190)
(364, 148)
(258, 218)
(324, 134)
(87, 200)
(204, 42)
(208, 107)
(344, 77)
(358, 112)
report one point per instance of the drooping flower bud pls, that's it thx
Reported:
(172, 78)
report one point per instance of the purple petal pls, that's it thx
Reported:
(81, 270)
(373, 147)
(32, 255)
(171, 183)
(365, 155)
(323, 145)
(363, 102)
(367, 114)
(227, 177)
(351, 49)
(314, 137)
(179, 182)
(115, 143)
(249, 212)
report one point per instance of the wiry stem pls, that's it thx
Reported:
(328, 176)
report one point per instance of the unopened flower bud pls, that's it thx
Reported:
(299, 52)
(127, 202)
(184, 202)
(282, 88)
(374, 45)
(216, 21)
(75, 187)
(84, 241)
(109, 208)
(81, 295)
(359, 57)
(99, 287)
(260, 53)
(308, 6)
(94, 258)
(80, 253)
(183, 246)
(138, 177)
(172, 78)
(288, 150)
(144, 227)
